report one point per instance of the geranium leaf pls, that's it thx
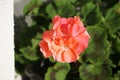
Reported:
(58, 72)
(30, 51)
(94, 71)
(112, 19)
(61, 7)
(91, 14)
(87, 8)
(20, 58)
(32, 7)
(51, 11)
(99, 47)
(64, 6)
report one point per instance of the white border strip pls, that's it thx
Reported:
(6, 40)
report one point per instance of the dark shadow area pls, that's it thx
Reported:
(19, 24)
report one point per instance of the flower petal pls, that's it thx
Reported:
(63, 21)
(47, 35)
(55, 47)
(78, 21)
(69, 56)
(64, 29)
(66, 41)
(83, 39)
(45, 49)
(70, 21)
(59, 56)
(56, 22)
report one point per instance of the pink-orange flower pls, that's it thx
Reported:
(66, 40)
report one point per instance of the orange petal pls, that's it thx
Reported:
(64, 28)
(45, 49)
(58, 32)
(83, 39)
(78, 21)
(74, 45)
(76, 29)
(59, 56)
(55, 19)
(55, 47)
(47, 35)
(70, 21)
(63, 21)
(56, 22)
(69, 56)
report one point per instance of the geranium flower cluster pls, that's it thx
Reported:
(66, 40)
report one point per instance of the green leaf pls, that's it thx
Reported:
(99, 47)
(117, 44)
(50, 26)
(86, 9)
(115, 41)
(83, 2)
(36, 10)
(50, 75)
(95, 71)
(35, 42)
(62, 3)
(60, 76)
(37, 38)
(20, 58)
(63, 8)
(30, 52)
(51, 11)
(58, 72)
(91, 14)
(67, 11)
(83, 58)
(52, 60)
(116, 76)
(32, 7)
(112, 19)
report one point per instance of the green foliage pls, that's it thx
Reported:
(30, 51)
(112, 19)
(100, 61)
(95, 71)
(59, 8)
(91, 13)
(58, 72)
(51, 11)
(32, 7)
(99, 47)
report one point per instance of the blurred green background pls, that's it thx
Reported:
(100, 61)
